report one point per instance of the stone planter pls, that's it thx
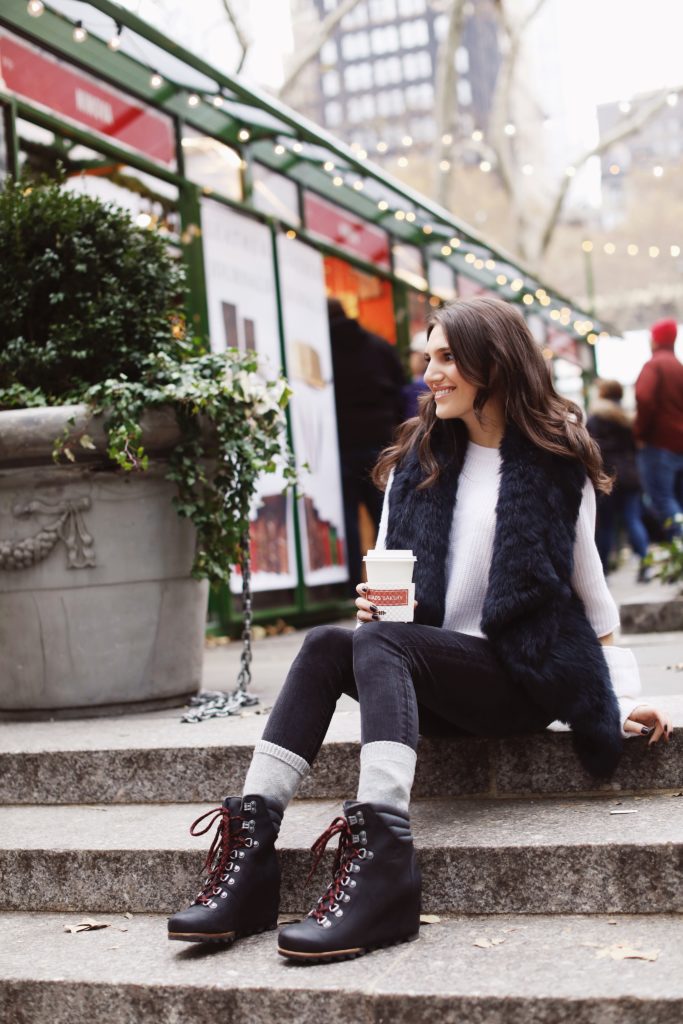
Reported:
(98, 611)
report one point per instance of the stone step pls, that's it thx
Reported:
(537, 969)
(154, 757)
(597, 855)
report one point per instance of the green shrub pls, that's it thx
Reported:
(90, 311)
(84, 295)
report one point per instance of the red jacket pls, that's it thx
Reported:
(659, 396)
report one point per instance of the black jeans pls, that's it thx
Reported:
(408, 679)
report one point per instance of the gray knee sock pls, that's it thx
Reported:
(275, 772)
(387, 770)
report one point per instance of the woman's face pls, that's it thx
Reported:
(453, 395)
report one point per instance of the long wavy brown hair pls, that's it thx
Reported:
(495, 351)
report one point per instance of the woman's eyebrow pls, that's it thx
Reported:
(443, 348)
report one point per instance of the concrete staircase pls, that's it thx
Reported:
(556, 900)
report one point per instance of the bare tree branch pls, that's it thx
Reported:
(242, 39)
(309, 52)
(622, 130)
(446, 97)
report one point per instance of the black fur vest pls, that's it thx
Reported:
(535, 622)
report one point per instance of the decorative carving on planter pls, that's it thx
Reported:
(67, 525)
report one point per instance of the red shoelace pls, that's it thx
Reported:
(225, 841)
(346, 852)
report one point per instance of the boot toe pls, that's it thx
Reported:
(196, 924)
(307, 940)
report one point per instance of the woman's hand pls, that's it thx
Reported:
(649, 721)
(366, 611)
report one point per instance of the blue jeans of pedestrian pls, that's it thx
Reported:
(408, 679)
(624, 505)
(661, 472)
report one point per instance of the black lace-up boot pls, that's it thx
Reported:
(373, 899)
(241, 893)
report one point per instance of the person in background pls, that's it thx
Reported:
(658, 427)
(368, 379)
(612, 430)
(417, 386)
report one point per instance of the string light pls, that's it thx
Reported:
(358, 185)
(592, 338)
(478, 264)
(218, 100)
(675, 250)
(672, 99)
(614, 169)
(653, 251)
(402, 161)
(658, 170)
(297, 147)
(510, 130)
(446, 250)
(410, 216)
(490, 264)
(632, 250)
(79, 33)
(501, 279)
(444, 165)
(383, 205)
(35, 8)
(337, 180)
(555, 314)
(427, 229)
(279, 150)
(362, 154)
(328, 166)
(587, 246)
(291, 233)
(407, 140)
(477, 135)
(485, 166)
(156, 80)
(115, 41)
(470, 257)
(193, 100)
(400, 215)
(447, 139)
(243, 135)
(610, 248)
(382, 147)
(516, 284)
(527, 299)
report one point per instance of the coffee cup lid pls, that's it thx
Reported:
(393, 553)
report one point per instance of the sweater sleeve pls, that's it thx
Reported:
(589, 583)
(588, 579)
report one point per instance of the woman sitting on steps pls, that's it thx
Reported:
(512, 631)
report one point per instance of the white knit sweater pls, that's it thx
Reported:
(469, 563)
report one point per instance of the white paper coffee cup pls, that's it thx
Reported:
(389, 567)
(394, 602)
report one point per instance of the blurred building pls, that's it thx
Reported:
(654, 151)
(374, 82)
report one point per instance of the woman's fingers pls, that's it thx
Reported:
(631, 726)
(662, 728)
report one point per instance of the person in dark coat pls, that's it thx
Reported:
(659, 428)
(368, 379)
(612, 428)
(417, 386)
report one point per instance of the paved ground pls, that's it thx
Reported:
(658, 654)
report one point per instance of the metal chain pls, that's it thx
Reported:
(218, 703)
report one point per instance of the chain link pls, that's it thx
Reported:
(218, 703)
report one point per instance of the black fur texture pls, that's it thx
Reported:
(535, 622)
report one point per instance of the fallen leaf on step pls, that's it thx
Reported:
(430, 919)
(677, 794)
(128, 915)
(620, 951)
(288, 918)
(484, 943)
(121, 929)
(88, 924)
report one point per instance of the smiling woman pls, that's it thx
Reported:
(512, 631)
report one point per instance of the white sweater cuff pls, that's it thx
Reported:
(625, 677)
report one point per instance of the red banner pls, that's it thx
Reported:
(64, 90)
(345, 230)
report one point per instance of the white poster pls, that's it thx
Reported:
(314, 420)
(240, 285)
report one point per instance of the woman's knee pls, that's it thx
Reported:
(377, 643)
(328, 642)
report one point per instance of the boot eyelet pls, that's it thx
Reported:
(224, 895)
(237, 867)
(256, 843)
(213, 905)
(231, 881)
(339, 913)
(241, 854)
(346, 897)
(370, 854)
(326, 923)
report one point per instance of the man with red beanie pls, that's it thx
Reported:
(659, 426)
